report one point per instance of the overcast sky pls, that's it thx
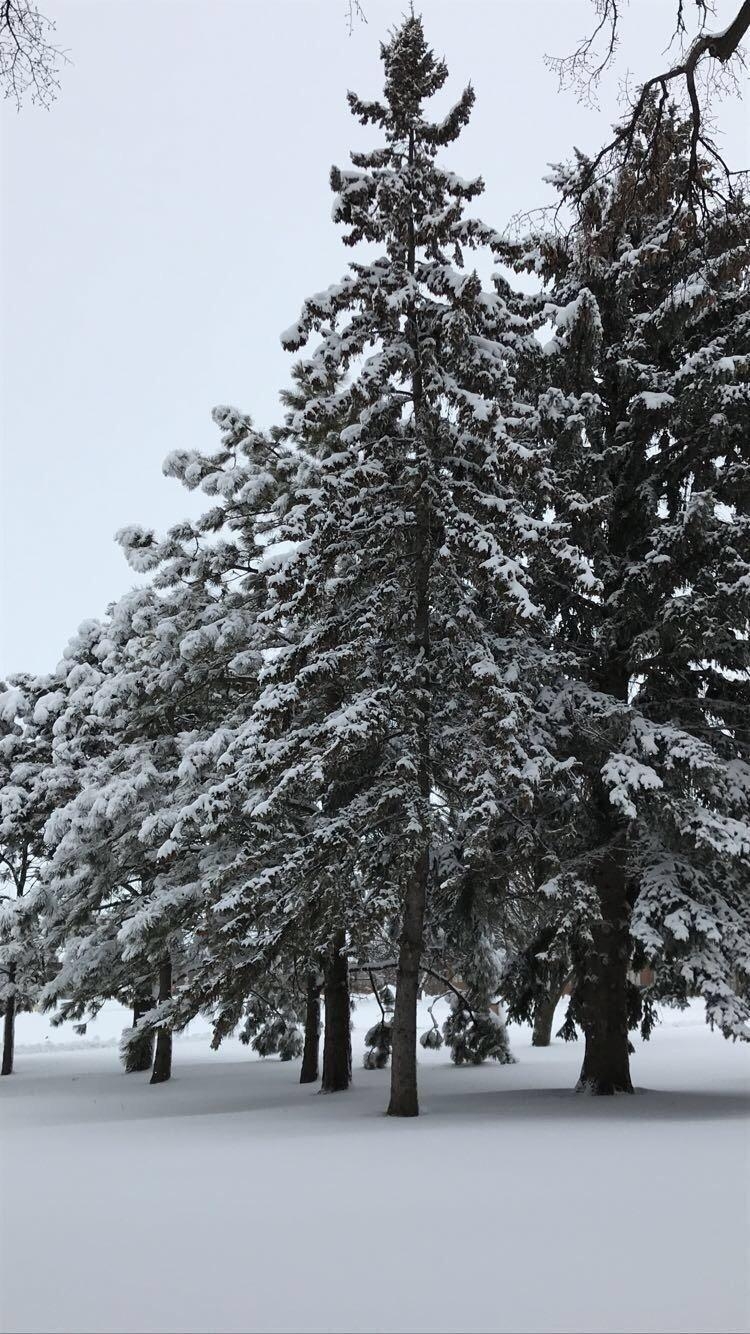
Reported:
(162, 223)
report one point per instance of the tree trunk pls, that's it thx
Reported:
(404, 1099)
(9, 1027)
(544, 1015)
(311, 1053)
(337, 1041)
(163, 1058)
(140, 1053)
(603, 992)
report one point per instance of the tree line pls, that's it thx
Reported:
(451, 676)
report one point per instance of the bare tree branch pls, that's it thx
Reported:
(582, 69)
(29, 59)
(694, 76)
(354, 11)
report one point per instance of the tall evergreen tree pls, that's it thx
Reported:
(647, 408)
(408, 689)
(374, 579)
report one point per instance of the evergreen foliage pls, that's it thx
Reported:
(475, 1037)
(647, 408)
(453, 669)
(379, 1038)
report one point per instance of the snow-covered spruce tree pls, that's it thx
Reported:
(372, 558)
(410, 687)
(648, 409)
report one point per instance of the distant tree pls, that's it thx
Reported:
(24, 754)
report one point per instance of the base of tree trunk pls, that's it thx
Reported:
(606, 1066)
(162, 1070)
(404, 1099)
(603, 1003)
(163, 1058)
(337, 1040)
(602, 1088)
(9, 1036)
(311, 1051)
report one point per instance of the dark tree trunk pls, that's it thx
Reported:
(140, 1053)
(603, 991)
(544, 1015)
(337, 1041)
(9, 1027)
(404, 1099)
(163, 1058)
(311, 1053)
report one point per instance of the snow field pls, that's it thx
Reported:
(233, 1199)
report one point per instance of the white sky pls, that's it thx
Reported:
(163, 222)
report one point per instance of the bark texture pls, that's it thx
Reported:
(311, 1053)
(163, 1059)
(603, 992)
(9, 1028)
(544, 1014)
(337, 1042)
(404, 1099)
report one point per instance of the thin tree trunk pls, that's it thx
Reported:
(404, 1098)
(311, 1053)
(337, 1041)
(163, 1058)
(603, 992)
(9, 1027)
(11, 1004)
(140, 1053)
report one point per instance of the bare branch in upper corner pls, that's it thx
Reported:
(29, 59)
(582, 69)
(708, 67)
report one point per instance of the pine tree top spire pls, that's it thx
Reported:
(413, 74)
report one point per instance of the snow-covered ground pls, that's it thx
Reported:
(232, 1199)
